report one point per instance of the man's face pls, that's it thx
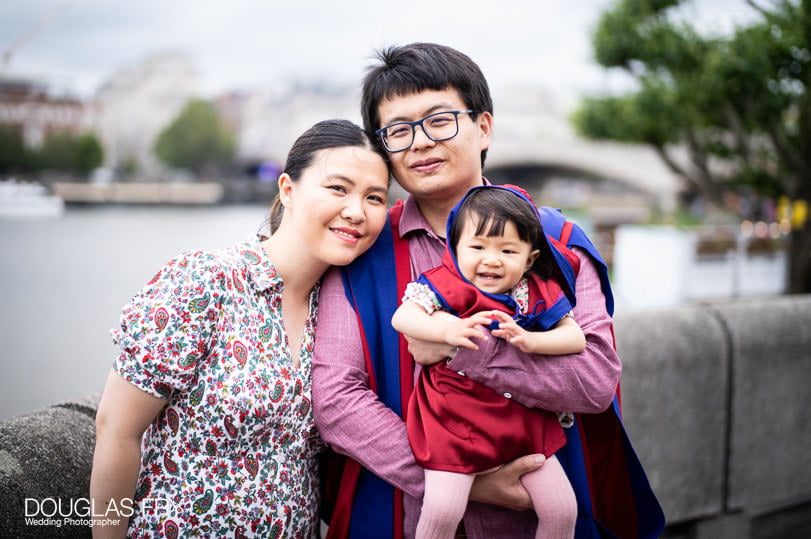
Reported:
(432, 170)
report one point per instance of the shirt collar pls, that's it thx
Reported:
(412, 220)
(262, 273)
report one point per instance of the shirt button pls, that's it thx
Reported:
(508, 395)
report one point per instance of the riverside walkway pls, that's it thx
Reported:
(715, 397)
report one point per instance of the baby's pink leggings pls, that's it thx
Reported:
(446, 497)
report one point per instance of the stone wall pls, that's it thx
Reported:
(717, 399)
(45, 459)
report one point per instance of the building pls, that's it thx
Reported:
(136, 104)
(28, 106)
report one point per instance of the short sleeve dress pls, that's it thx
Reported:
(234, 451)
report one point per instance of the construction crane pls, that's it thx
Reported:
(9, 51)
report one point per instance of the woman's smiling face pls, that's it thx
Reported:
(338, 205)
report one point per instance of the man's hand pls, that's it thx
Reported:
(502, 487)
(428, 353)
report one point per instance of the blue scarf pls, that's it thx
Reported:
(613, 494)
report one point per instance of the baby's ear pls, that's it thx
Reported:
(533, 256)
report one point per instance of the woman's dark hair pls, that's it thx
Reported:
(413, 68)
(324, 135)
(492, 209)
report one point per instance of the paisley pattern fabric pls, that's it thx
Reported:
(234, 451)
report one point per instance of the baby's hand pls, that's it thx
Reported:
(510, 331)
(462, 330)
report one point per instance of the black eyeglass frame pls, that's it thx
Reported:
(380, 132)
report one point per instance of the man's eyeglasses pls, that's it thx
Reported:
(438, 126)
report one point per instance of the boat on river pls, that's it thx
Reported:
(24, 200)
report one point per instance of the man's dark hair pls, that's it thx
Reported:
(416, 67)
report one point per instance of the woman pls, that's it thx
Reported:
(213, 370)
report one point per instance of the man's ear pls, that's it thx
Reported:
(286, 190)
(533, 256)
(485, 122)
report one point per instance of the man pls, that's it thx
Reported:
(431, 108)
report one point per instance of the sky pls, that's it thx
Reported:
(76, 45)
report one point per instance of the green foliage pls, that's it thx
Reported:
(57, 152)
(740, 99)
(637, 33)
(88, 153)
(738, 104)
(66, 152)
(12, 152)
(128, 167)
(61, 151)
(196, 140)
(647, 116)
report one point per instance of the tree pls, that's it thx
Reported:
(739, 104)
(58, 152)
(196, 140)
(61, 151)
(67, 152)
(13, 157)
(88, 154)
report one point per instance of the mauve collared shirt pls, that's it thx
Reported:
(354, 422)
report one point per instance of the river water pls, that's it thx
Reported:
(63, 282)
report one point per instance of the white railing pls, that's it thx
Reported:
(664, 266)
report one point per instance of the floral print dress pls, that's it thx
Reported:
(422, 295)
(234, 451)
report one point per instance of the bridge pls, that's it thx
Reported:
(534, 145)
(535, 142)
